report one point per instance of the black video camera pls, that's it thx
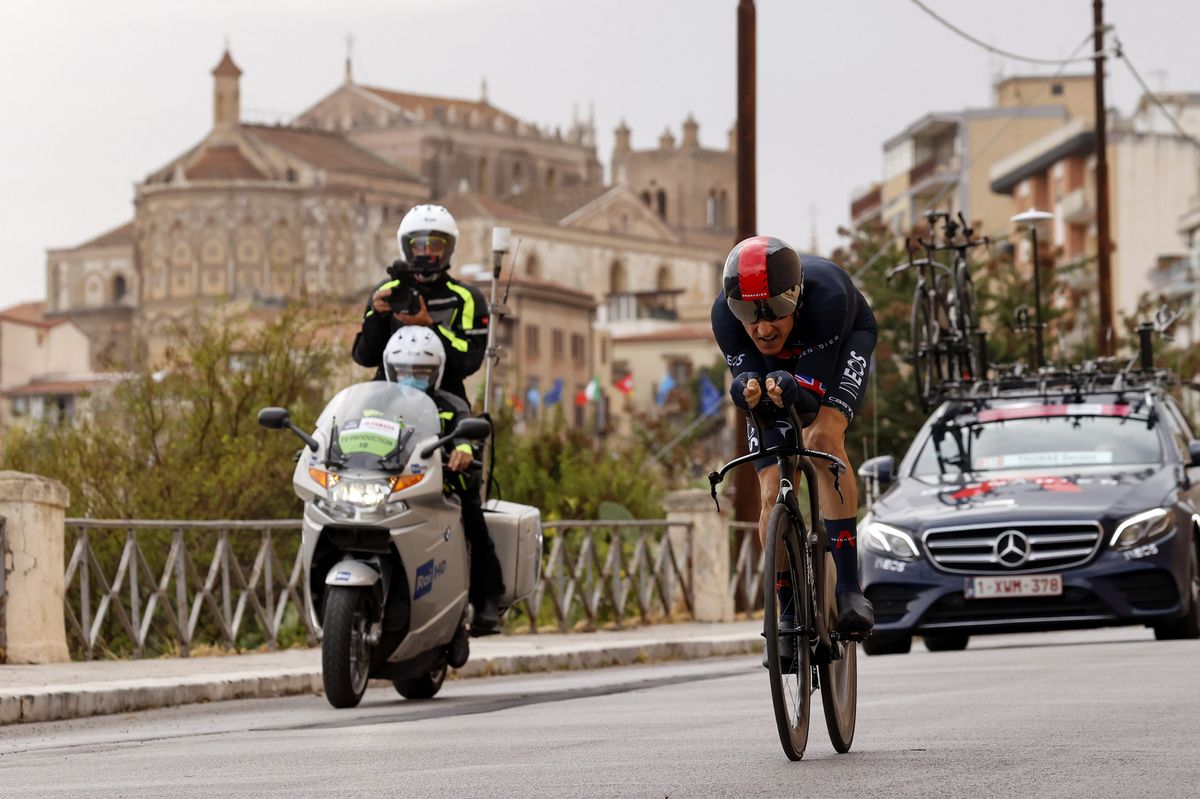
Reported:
(406, 296)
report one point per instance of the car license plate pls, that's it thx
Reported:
(1025, 585)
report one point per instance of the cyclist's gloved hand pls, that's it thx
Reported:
(782, 388)
(737, 391)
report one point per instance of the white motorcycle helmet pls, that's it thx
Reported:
(426, 236)
(414, 357)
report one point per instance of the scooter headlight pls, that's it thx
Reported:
(365, 494)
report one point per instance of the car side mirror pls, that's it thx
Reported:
(1194, 451)
(473, 429)
(273, 418)
(879, 469)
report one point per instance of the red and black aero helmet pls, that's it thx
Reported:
(763, 279)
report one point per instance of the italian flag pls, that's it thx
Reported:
(592, 390)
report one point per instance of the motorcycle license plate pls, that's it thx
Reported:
(1025, 585)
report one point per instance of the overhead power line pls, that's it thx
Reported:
(998, 51)
(1124, 56)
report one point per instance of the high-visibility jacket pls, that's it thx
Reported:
(460, 319)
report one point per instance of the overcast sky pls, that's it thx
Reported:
(95, 95)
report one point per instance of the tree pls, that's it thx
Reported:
(182, 441)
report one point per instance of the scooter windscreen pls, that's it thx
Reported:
(376, 425)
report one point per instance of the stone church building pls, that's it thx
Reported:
(260, 214)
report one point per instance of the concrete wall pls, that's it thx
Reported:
(35, 627)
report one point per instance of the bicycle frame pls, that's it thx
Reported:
(817, 543)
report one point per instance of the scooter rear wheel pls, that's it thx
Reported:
(424, 686)
(345, 652)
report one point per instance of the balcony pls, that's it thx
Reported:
(1077, 208)
(867, 204)
(1173, 277)
(931, 175)
(634, 305)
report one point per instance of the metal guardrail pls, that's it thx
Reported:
(157, 597)
(177, 585)
(608, 571)
(746, 573)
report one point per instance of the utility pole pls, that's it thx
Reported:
(746, 500)
(1103, 243)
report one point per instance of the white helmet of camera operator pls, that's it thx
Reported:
(414, 357)
(426, 236)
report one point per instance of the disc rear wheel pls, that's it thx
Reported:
(791, 678)
(838, 677)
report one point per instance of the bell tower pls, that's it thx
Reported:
(226, 99)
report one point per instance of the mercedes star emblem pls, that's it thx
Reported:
(1012, 548)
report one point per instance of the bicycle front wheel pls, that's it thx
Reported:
(839, 676)
(925, 362)
(787, 647)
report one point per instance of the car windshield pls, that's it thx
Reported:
(378, 419)
(1011, 440)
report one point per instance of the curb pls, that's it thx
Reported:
(95, 699)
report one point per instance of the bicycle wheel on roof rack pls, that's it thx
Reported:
(964, 287)
(926, 360)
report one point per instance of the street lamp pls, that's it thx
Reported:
(1030, 219)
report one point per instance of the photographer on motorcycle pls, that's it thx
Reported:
(420, 292)
(415, 357)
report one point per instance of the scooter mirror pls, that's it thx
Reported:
(474, 429)
(274, 418)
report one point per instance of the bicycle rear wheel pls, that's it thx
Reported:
(838, 677)
(791, 683)
(964, 286)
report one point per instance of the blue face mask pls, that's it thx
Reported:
(412, 381)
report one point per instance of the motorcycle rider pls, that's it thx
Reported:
(456, 312)
(795, 331)
(415, 357)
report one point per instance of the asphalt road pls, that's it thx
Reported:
(1103, 713)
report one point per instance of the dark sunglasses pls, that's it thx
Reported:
(771, 309)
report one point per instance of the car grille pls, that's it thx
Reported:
(994, 549)
(1075, 603)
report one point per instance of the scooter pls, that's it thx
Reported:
(386, 563)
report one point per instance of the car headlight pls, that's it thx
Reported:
(1142, 528)
(891, 541)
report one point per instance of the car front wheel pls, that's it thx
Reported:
(1187, 627)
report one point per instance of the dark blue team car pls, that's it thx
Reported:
(1046, 510)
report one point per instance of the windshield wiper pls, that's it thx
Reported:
(333, 453)
(392, 461)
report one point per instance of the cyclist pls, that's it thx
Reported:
(415, 357)
(795, 331)
(456, 312)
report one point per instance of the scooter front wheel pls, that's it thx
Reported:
(345, 650)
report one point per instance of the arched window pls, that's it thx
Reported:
(516, 178)
(662, 204)
(616, 278)
(647, 199)
(533, 268)
(482, 182)
(711, 209)
(118, 288)
(551, 176)
(662, 281)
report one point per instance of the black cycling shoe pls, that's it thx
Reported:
(856, 615)
(787, 646)
(486, 620)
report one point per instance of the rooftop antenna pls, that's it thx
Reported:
(812, 228)
(483, 98)
(349, 57)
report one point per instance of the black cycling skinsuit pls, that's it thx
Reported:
(460, 319)
(486, 578)
(829, 349)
